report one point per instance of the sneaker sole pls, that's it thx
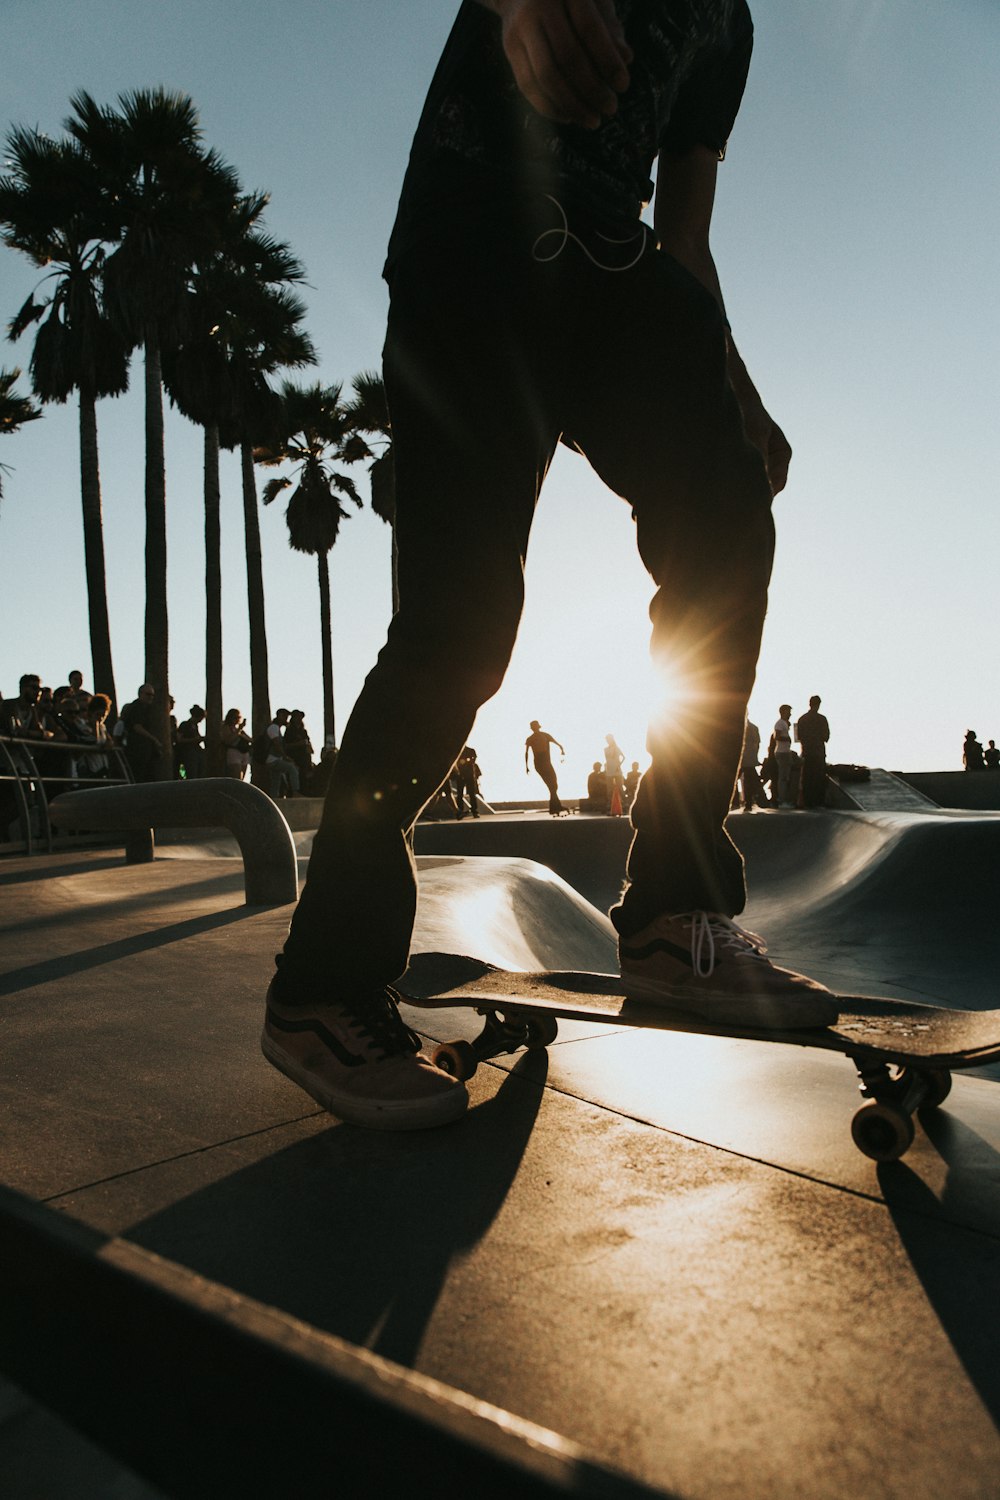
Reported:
(769, 1012)
(373, 1114)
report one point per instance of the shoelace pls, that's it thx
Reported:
(377, 1018)
(709, 931)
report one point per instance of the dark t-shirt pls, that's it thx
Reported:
(813, 731)
(538, 743)
(478, 138)
(139, 749)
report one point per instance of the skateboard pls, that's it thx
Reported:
(904, 1052)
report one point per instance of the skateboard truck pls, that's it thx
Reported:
(503, 1032)
(884, 1129)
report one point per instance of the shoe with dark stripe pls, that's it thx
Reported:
(360, 1061)
(705, 965)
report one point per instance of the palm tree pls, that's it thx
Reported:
(243, 326)
(166, 204)
(369, 413)
(14, 410)
(317, 434)
(50, 210)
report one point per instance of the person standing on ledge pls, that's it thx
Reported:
(813, 734)
(539, 745)
(529, 304)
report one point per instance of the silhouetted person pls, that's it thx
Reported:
(324, 769)
(191, 744)
(972, 752)
(749, 782)
(539, 746)
(632, 782)
(466, 777)
(22, 717)
(785, 758)
(614, 759)
(236, 744)
(991, 757)
(597, 790)
(143, 748)
(531, 304)
(282, 772)
(298, 746)
(813, 733)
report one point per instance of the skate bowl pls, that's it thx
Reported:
(894, 903)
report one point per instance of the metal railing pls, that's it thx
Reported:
(63, 768)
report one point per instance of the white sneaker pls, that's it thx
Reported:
(703, 964)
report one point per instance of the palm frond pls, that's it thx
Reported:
(29, 313)
(15, 410)
(273, 488)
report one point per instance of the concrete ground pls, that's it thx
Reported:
(665, 1247)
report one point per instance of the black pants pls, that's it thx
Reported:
(492, 354)
(813, 779)
(547, 772)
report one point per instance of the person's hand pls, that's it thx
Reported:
(764, 433)
(770, 442)
(569, 57)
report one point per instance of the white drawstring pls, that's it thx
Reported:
(564, 234)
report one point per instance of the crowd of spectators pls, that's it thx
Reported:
(99, 746)
(64, 715)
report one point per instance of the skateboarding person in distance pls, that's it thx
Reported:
(529, 304)
(539, 746)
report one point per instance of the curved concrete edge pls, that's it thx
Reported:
(206, 1392)
(265, 840)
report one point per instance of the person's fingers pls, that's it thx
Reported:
(600, 31)
(779, 456)
(555, 77)
(567, 61)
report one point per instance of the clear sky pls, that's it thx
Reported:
(857, 232)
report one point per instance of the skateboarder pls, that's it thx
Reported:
(539, 745)
(530, 304)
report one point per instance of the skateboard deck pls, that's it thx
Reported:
(904, 1051)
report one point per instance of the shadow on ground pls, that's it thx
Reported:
(355, 1231)
(960, 1285)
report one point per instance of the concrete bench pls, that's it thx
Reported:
(265, 840)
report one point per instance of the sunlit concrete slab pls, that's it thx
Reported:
(665, 1247)
(707, 1323)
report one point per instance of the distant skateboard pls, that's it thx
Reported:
(904, 1052)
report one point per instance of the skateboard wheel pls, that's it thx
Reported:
(938, 1084)
(541, 1031)
(457, 1058)
(881, 1132)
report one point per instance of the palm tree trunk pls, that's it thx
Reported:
(260, 711)
(93, 552)
(213, 606)
(156, 555)
(326, 635)
(395, 573)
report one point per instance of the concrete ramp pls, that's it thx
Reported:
(510, 912)
(884, 792)
(898, 904)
